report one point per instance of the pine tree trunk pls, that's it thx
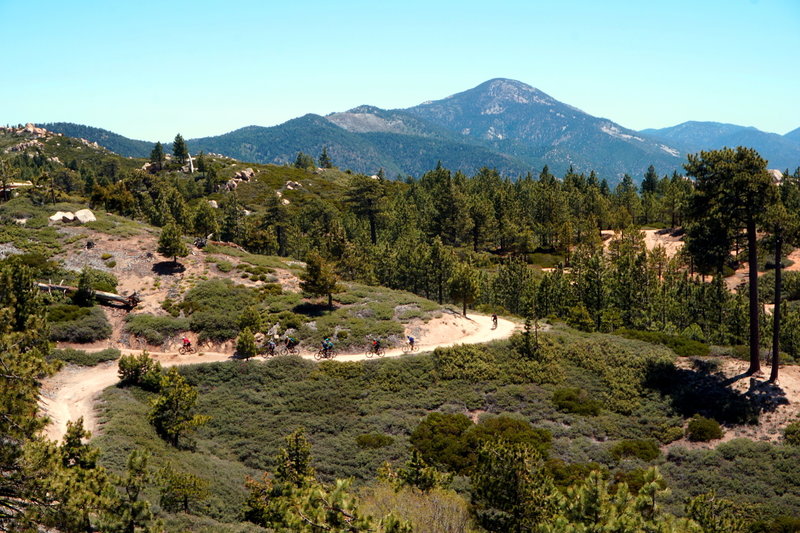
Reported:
(465, 308)
(373, 232)
(752, 260)
(776, 313)
(330, 301)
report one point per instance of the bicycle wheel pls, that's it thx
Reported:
(381, 352)
(370, 353)
(407, 348)
(182, 350)
(319, 355)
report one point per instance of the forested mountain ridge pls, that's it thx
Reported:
(502, 124)
(107, 139)
(781, 151)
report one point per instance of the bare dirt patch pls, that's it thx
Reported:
(782, 397)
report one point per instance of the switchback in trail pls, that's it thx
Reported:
(71, 393)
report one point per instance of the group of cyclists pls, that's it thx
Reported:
(289, 345)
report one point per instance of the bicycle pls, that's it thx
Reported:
(183, 350)
(378, 350)
(269, 350)
(408, 347)
(325, 353)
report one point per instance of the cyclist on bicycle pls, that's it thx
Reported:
(327, 346)
(494, 320)
(411, 341)
(271, 346)
(376, 345)
(186, 342)
(291, 343)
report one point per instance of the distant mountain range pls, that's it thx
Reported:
(781, 151)
(502, 124)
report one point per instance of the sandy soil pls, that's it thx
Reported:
(72, 392)
(782, 397)
(652, 238)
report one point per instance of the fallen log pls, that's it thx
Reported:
(107, 298)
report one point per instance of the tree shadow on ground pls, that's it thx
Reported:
(311, 309)
(705, 390)
(168, 268)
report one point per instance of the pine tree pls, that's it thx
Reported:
(324, 159)
(157, 157)
(319, 278)
(510, 490)
(464, 284)
(366, 198)
(179, 149)
(180, 491)
(172, 413)
(734, 187)
(170, 243)
(246, 344)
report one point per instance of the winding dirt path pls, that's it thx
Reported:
(72, 392)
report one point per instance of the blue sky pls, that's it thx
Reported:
(149, 69)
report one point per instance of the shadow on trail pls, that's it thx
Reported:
(704, 390)
(168, 268)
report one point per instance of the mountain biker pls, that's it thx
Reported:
(271, 346)
(376, 345)
(411, 341)
(327, 345)
(494, 320)
(186, 342)
(291, 342)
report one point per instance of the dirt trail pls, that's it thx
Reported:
(71, 393)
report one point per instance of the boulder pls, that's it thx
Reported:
(213, 203)
(62, 216)
(85, 215)
(292, 185)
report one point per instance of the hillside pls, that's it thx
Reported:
(612, 356)
(781, 152)
(107, 139)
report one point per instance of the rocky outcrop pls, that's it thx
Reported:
(85, 215)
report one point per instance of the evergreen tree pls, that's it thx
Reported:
(180, 491)
(319, 278)
(304, 161)
(510, 490)
(366, 196)
(179, 149)
(172, 413)
(157, 157)
(246, 345)
(170, 243)
(324, 159)
(464, 284)
(205, 220)
(734, 187)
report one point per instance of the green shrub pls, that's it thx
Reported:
(373, 441)
(467, 362)
(579, 318)
(512, 430)
(577, 401)
(82, 358)
(106, 256)
(791, 434)
(224, 266)
(214, 307)
(702, 429)
(90, 325)
(680, 345)
(140, 370)
(440, 439)
(155, 329)
(671, 434)
(644, 449)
